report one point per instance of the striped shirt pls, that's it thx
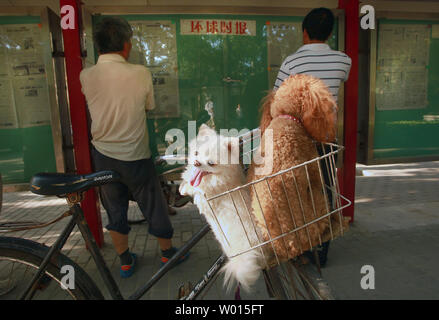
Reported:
(320, 61)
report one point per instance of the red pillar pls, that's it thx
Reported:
(347, 181)
(71, 28)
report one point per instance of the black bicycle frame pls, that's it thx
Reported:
(210, 274)
(79, 220)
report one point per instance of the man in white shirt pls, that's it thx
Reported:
(317, 59)
(118, 95)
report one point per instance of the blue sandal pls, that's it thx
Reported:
(164, 260)
(127, 270)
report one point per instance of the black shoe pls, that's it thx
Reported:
(322, 252)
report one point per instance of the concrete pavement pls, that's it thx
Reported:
(396, 231)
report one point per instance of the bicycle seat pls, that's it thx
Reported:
(60, 184)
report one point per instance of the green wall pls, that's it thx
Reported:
(203, 62)
(405, 133)
(25, 151)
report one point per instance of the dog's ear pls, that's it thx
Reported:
(266, 111)
(319, 112)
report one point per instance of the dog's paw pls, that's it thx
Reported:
(184, 188)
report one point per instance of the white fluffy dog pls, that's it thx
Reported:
(211, 170)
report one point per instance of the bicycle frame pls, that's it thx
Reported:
(79, 220)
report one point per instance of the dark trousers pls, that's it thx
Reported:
(139, 180)
(328, 167)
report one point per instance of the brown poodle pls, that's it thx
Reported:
(301, 112)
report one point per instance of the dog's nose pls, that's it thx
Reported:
(196, 163)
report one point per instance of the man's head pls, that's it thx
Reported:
(317, 25)
(113, 35)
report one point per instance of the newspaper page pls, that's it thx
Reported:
(155, 47)
(32, 101)
(8, 117)
(283, 39)
(402, 66)
(23, 86)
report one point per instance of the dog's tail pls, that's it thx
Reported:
(244, 268)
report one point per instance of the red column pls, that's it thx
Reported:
(347, 181)
(71, 26)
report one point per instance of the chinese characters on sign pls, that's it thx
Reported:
(220, 27)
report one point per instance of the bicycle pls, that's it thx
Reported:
(291, 279)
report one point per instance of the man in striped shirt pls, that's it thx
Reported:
(317, 59)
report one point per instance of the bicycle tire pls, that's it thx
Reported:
(31, 253)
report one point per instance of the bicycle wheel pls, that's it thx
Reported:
(19, 261)
(292, 280)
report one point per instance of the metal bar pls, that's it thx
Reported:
(254, 228)
(336, 193)
(348, 203)
(55, 121)
(297, 9)
(240, 219)
(210, 274)
(162, 271)
(302, 210)
(78, 115)
(105, 273)
(219, 225)
(292, 215)
(312, 200)
(54, 250)
(372, 93)
(277, 173)
(24, 225)
(322, 180)
(266, 226)
(351, 104)
(277, 218)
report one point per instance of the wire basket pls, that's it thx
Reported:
(286, 214)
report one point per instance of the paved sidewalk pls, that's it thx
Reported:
(396, 230)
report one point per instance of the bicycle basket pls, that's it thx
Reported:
(289, 212)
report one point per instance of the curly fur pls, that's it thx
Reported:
(277, 207)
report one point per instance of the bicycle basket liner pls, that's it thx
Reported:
(290, 211)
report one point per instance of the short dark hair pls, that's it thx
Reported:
(318, 23)
(111, 33)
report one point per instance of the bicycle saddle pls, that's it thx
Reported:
(60, 184)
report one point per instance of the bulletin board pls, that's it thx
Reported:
(26, 143)
(218, 67)
(404, 101)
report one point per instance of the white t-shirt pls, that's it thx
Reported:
(118, 94)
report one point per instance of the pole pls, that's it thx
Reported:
(72, 35)
(347, 181)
